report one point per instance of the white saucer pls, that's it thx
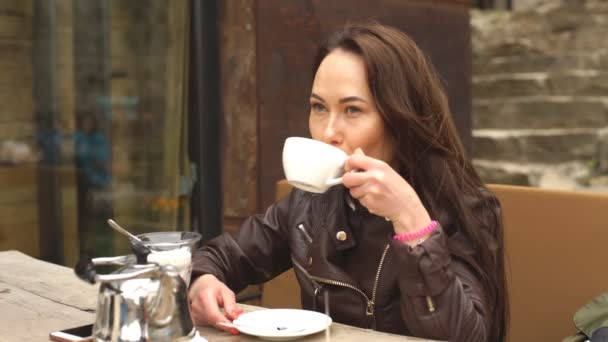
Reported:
(282, 324)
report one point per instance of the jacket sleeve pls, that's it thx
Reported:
(441, 298)
(259, 252)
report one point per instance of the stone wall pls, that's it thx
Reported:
(540, 94)
(16, 83)
(525, 4)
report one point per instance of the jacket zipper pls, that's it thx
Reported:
(370, 303)
(306, 235)
(376, 281)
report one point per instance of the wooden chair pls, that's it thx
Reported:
(556, 249)
(283, 291)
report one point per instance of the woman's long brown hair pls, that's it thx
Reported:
(415, 111)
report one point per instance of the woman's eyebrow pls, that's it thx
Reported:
(351, 99)
(342, 100)
(313, 95)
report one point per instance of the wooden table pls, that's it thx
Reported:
(37, 297)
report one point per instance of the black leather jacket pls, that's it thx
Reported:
(373, 281)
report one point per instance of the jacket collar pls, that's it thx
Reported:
(334, 219)
(327, 261)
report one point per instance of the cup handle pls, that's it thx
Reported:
(334, 181)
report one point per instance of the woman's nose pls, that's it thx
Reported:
(332, 134)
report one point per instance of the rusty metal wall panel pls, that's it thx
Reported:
(288, 33)
(239, 107)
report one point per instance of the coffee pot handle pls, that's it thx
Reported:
(85, 269)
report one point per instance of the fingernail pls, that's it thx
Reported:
(234, 332)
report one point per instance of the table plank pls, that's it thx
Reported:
(50, 281)
(25, 316)
(337, 333)
(37, 297)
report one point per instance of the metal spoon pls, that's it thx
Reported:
(141, 251)
(122, 230)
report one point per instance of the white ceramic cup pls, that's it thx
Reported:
(312, 165)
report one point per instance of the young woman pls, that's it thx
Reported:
(412, 243)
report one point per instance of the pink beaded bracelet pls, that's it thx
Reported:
(417, 235)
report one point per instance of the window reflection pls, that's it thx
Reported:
(94, 126)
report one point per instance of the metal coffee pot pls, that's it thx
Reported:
(139, 302)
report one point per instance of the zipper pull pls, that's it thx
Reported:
(369, 312)
(314, 296)
(429, 303)
(317, 290)
(370, 308)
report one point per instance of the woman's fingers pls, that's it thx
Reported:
(354, 179)
(207, 295)
(212, 311)
(225, 297)
(348, 165)
(372, 176)
(356, 162)
(205, 310)
(358, 192)
(230, 308)
(360, 162)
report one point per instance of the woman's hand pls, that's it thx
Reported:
(385, 193)
(207, 294)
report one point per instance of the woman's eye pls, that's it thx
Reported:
(353, 110)
(317, 107)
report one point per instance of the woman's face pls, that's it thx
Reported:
(342, 109)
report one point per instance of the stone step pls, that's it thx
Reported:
(548, 146)
(506, 85)
(595, 59)
(579, 82)
(572, 82)
(570, 175)
(597, 6)
(499, 173)
(541, 112)
(504, 41)
(483, 65)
